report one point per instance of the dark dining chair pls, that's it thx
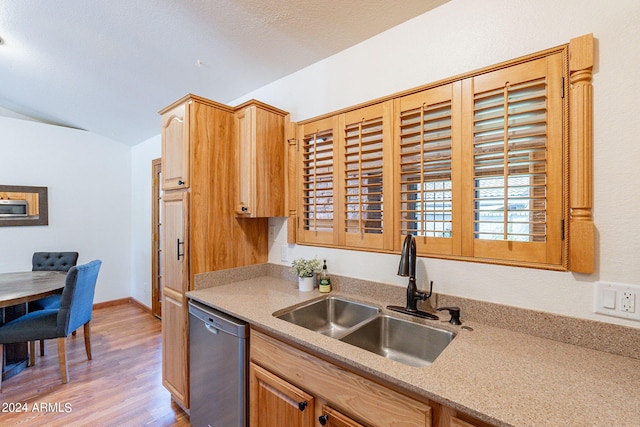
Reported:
(51, 261)
(76, 306)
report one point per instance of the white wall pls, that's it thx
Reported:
(89, 188)
(464, 35)
(141, 227)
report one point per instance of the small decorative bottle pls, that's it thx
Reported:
(325, 280)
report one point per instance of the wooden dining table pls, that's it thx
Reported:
(16, 290)
(25, 286)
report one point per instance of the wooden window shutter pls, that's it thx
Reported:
(517, 162)
(317, 176)
(366, 193)
(426, 141)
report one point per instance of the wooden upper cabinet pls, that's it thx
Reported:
(175, 147)
(261, 160)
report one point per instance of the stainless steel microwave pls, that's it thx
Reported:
(13, 208)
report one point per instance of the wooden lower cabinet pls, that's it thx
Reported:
(334, 418)
(457, 422)
(174, 345)
(275, 402)
(278, 369)
(284, 379)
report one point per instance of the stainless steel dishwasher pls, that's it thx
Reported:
(218, 356)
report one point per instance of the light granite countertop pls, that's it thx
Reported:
(502, 377)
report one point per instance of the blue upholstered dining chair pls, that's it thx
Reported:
(76, 306)
(51, 261)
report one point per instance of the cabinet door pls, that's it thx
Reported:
(261, 163)
(174, 346)
(332, 418)
(246, 159)
(175, 148)
(175, 245)
(275, 402)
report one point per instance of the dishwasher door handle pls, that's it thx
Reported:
(212, 329)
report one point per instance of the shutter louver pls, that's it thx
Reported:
(425, 171)
(317, 182)
(510, 164)
(363, 171)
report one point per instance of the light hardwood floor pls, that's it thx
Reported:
(121, 386)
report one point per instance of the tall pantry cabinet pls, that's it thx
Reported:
(201, 231)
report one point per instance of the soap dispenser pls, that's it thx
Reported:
(325, 280)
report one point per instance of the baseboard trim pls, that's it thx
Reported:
(140, 305)
(121, 301)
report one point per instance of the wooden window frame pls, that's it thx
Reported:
(574, 245)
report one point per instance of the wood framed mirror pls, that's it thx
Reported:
(22, 206)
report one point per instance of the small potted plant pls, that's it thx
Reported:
(306, 269)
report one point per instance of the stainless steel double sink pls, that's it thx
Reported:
(366, 327)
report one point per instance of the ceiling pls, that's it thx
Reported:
(109, 66)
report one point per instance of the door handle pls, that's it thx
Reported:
(212, 329)
(178, 249)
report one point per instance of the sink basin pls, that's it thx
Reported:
(406, 342)
(364, 326)
(330, 316)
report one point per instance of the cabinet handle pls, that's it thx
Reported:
(302, 405)
(180, 182)
(322, 419)
(244, 209)
(178, 247)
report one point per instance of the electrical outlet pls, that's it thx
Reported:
(628, 302)
(616, 299)
(284, 253)
(272, 233)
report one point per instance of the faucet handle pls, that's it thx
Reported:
(455, 314)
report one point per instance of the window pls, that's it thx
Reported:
(477, 168)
